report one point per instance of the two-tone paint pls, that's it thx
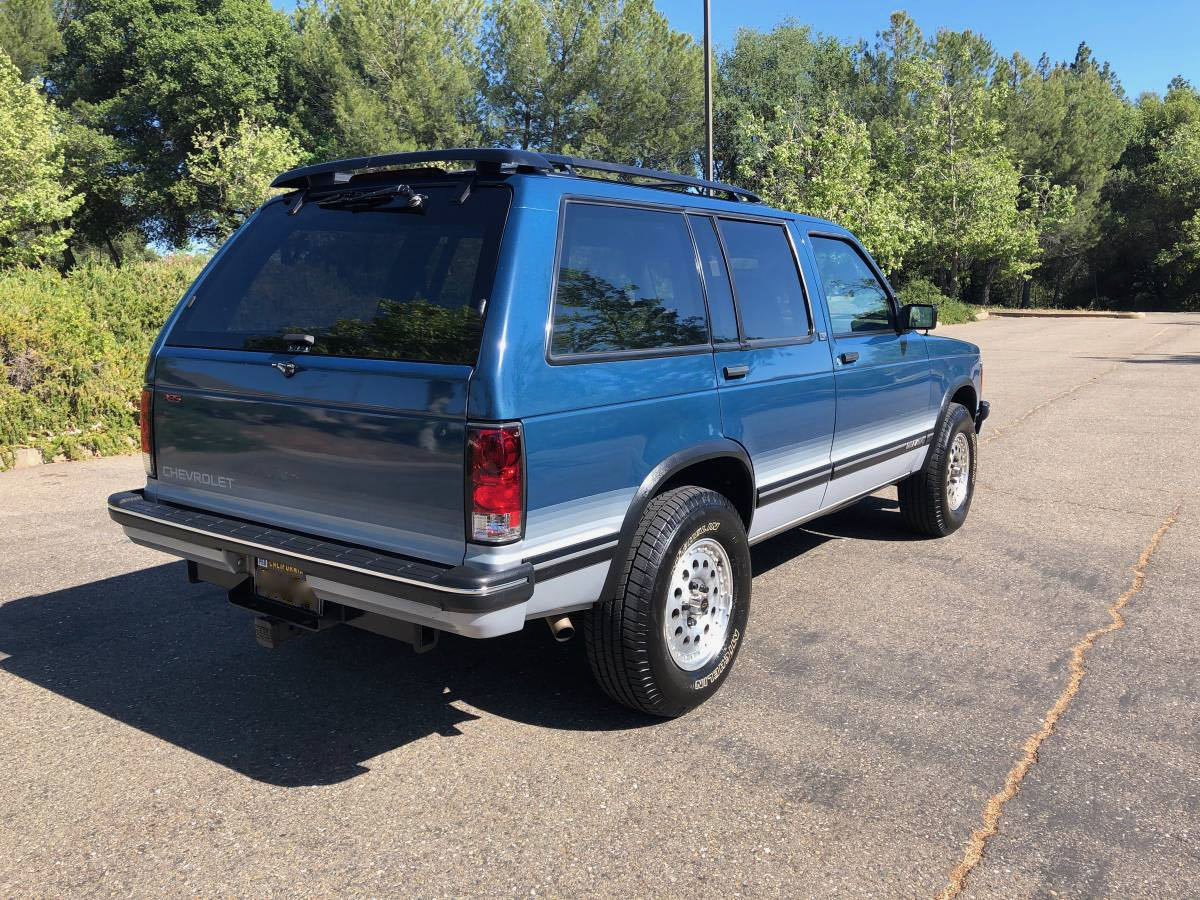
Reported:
(787, 427)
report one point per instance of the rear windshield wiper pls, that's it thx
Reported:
(368, 199)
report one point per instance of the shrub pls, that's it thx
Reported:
(73, 349)
(950, 310)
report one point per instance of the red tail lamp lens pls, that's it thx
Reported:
(496, 485)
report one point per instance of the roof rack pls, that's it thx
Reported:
(491, 159)
(659, 178)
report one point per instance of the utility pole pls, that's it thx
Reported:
(708, 97)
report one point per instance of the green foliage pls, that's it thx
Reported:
(232, 173)
(993, 177)
(144, 78)
(783, 73)
(34, 201)
(1151, 249)
(373, 76)
(72, 352)
(597, 77)
(29, 35)
(951, 310)
(824, 166)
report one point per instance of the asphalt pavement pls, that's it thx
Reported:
(887, 689)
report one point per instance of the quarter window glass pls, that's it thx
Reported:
(857, 301)
(716, 279)
(769, 293)
(627, 280)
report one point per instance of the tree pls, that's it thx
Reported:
(542, 62)
(1069, 124)
(232, 172)
(604, 78)
(373, 76)
(29, 35)
(145, 77)
(649, 95)
(34, 204)
(782, 72)
(965, 187)
(823, 165)
(1150, 244)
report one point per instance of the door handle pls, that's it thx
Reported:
(848, 357)
(732, 372)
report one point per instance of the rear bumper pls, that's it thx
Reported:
(466, 599)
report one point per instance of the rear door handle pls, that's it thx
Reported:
(848, 357)
(732, 372)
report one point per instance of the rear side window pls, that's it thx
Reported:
(378, 282)
(770, 294)
(857, 300)
(627, 280)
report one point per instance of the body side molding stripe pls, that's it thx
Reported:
(794, 485)
(860, 461)
(575, 563)
(554, 555)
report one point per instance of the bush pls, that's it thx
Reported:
(72, 353)
(950, 310)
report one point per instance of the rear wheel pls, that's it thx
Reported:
(667, 640)
(935, 500)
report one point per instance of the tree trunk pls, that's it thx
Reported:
(989, 273)
(112, 250)
(1026, 293)
(68, 260)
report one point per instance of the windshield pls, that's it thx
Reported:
(383, 281)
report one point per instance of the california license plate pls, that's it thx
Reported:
(284, 584)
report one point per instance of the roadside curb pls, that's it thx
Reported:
(1065, 314)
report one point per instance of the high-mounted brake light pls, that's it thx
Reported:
(495, 484)
(144, 421)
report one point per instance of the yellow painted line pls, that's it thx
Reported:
(973, 851)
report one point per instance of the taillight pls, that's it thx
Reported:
(495, 485)
(144, 421)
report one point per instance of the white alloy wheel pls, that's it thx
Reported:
(699, 604)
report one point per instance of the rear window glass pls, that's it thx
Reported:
(627, 280)
(383, 282)
(770, 295)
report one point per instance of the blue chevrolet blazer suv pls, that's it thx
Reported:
(458, 390)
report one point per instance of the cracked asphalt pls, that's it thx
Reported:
(149, 747)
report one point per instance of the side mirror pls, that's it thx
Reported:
(918, 316)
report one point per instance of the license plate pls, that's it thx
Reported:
(284, 584)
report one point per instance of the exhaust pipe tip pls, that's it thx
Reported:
(562, 628)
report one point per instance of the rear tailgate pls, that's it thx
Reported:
(317, 378)
(365, 451)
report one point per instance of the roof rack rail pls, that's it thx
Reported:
(484, 158)
(660, 179)
(492, 159)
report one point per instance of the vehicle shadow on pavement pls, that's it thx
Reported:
(179, 662)
(872, 518)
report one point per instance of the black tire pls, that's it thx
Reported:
(624, 634)
(925, 503)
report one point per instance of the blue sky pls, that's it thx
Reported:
(1147, 41)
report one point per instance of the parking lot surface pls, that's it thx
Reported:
(886, 691)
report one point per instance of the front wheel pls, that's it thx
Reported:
(665, 643)
(935, 500)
